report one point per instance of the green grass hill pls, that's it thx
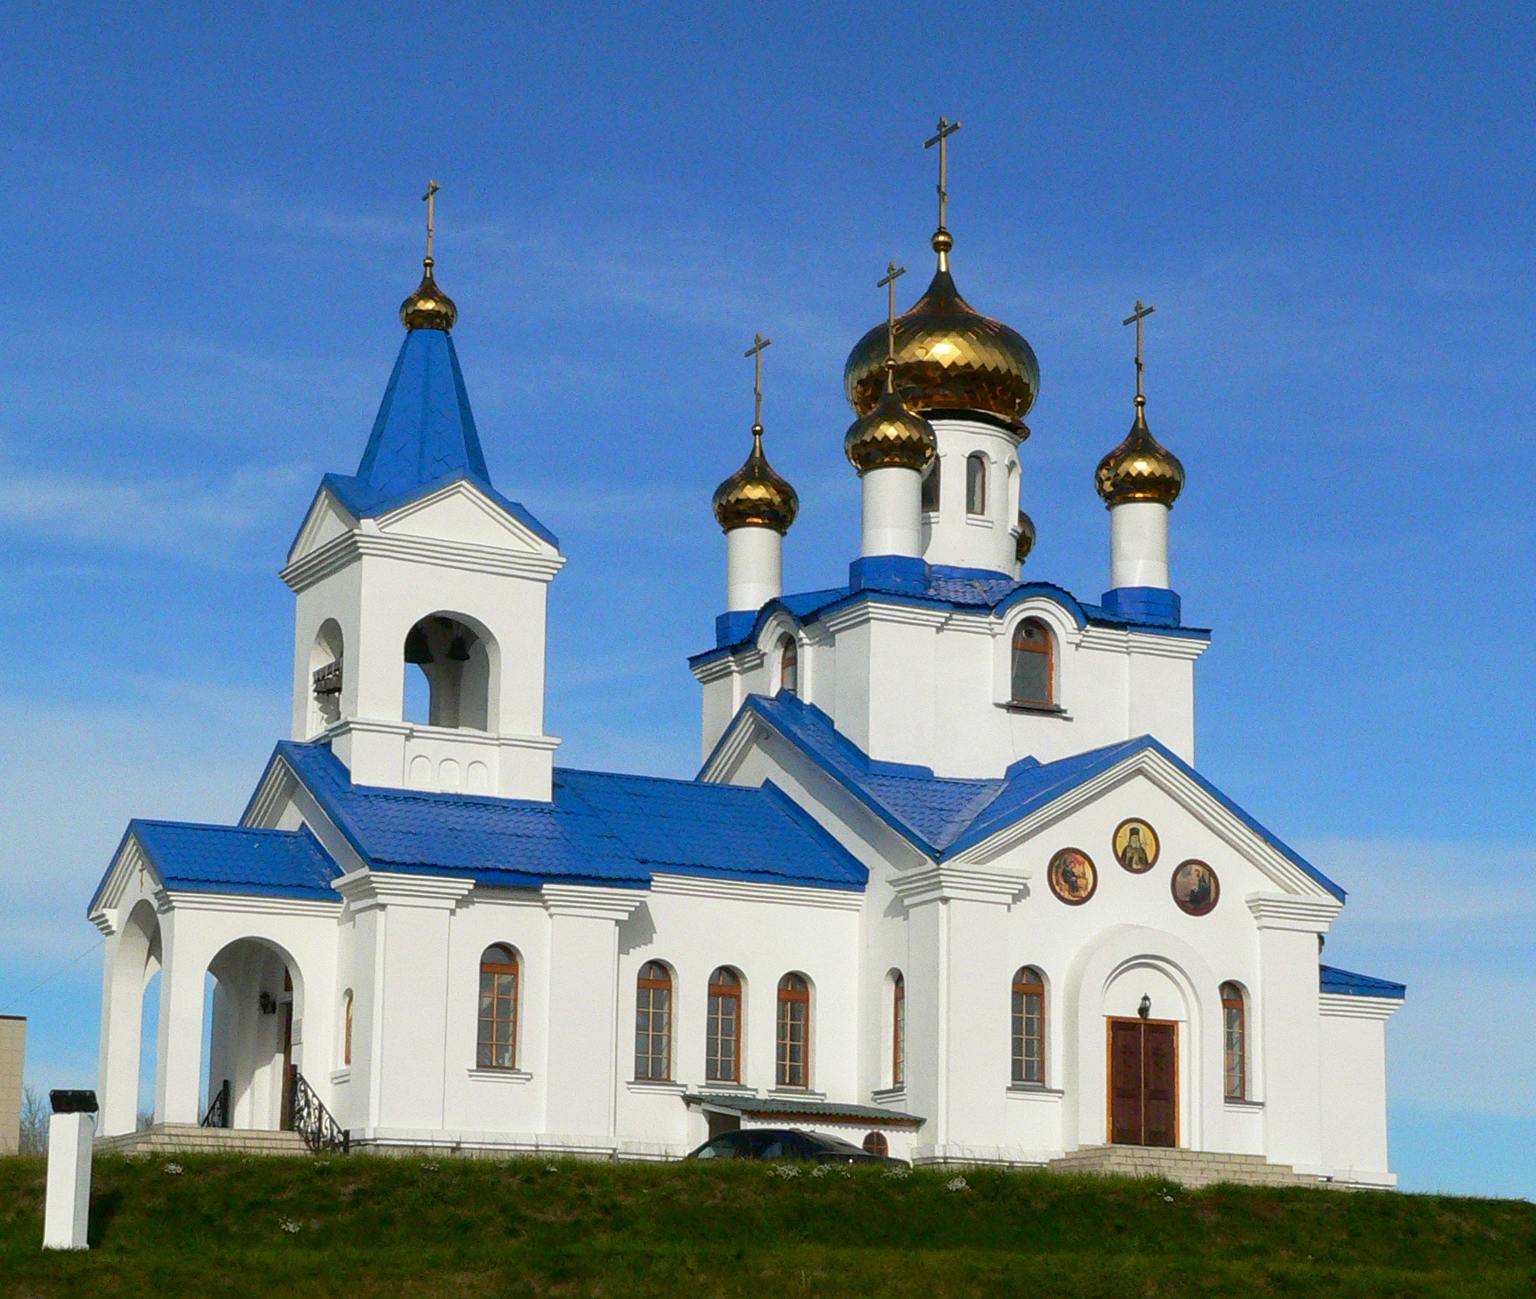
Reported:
(363, 1226)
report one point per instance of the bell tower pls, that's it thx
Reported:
(415, 576)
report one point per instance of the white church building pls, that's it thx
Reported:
(947, 882)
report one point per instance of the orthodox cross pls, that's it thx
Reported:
(428, 198)
(756, 353)
(888, 283)
(1135, 318)
(946, 129)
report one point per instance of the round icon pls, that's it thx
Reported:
(1072, 876)
(1195, 888)
(1136, 845)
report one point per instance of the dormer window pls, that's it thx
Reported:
(1033, 665)
(931, 488)
(789, 665)
(976, 483)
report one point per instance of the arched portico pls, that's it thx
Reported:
(133, 959)
(254, 1031)
(1107, 981)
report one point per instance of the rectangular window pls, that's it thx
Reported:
(653, 1036)
(722, 1049)
(1028, 1038)
(1236, 1084)
(792, 1071)
(498, 1012)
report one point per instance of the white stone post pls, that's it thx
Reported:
(67, 1202)
(754, 567)
(1138, 545)
(892, 512)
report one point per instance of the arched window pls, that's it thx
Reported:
(794, 1032)
(722, 1033)
(931, 488)
(789, 665)
(1033, 664)
(1234, 1042)
(1029, 1027)
(898, 1029)
(876, 1144)
(497, 1045)
(653, 1023)
(976, 483)
(346, 1028)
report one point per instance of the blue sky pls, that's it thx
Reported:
(212, 219)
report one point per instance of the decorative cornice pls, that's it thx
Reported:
(591, 901)
(465, 556)
(1119, 640)
(482, 739)
(1287, 911)
(714, 669)
(948, 882)
(251, 903)
(366, 889)
(796, 895)
(1337, 1005)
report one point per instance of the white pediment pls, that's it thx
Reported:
(461, 512)
(327, 519)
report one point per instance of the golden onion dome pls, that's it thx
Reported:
(755, 496)
(889, 436)
(949, 357)
(1026, 538)
(429, 307)
(1140, 468)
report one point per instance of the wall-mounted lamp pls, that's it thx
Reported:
(267, 1002)
(1145, 1008)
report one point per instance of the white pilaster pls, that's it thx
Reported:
(179, 1052)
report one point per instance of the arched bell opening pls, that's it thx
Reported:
(325, 672)
(448, 673)
(254, 1033)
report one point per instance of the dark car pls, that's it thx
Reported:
(786, 1143)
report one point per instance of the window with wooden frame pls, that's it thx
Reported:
(653, 1023)
(930, 492)
(976, 483)
(1234, 1025)
(898, 1029)
(789, 665)
(876, 1144)
(497, 1042)
(346, 1028)
(1033, 668)
(793, 1039)
(1029, 1027)
(722, 1030)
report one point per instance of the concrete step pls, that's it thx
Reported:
(187, 1138)
(1186, 1167)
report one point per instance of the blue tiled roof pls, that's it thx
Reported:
(943, 588)
(942, 815)
(597, 829)
(424, 436)
(233, 859)
(1333, 979)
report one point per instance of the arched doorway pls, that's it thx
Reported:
(1146, 1017)
(255, 1029)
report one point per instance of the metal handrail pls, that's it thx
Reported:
(218, 1108)
(312, 1121)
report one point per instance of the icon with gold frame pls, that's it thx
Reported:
(1136, 845)
(1072, 876)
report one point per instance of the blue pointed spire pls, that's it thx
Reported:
(423, 438)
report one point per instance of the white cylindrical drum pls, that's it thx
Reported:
(892, 522)
(754, 567)
(1138, 544)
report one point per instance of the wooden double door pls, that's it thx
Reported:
(1143, 1082)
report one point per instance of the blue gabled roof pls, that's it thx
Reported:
(944, 815)
(1350, 984)
(423, 438)
(942, 588)
(235, 859)
(598, 828)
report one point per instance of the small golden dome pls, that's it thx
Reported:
(889, 436)
(755, 496)
(949, 357)
(1026, 540)
(1140, 468)
(429, 307)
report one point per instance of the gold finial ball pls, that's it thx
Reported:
(949, 358)
(890, 437)
(429, 307)
(942, 241)
(755, 496)
(1026, 539)
(1140, 469)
